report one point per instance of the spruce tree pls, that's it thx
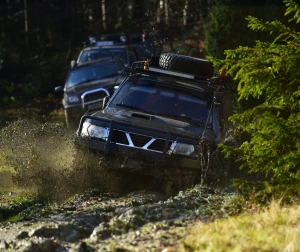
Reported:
(226, 27)
(269, 69)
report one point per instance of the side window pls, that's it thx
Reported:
(137, 53)
(132, 57)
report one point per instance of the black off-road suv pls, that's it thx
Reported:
(129, 48)
(86, 86)
(165, 120)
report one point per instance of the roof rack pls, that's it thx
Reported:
(112, 39)
(216, 82)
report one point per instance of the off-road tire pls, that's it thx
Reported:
(215, 168)
(72, 121)
(186, 64)
(226, 112)
(86, 168)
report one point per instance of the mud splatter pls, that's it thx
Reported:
(42, 156)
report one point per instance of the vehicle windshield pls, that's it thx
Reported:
(99, 53)
(93, 72)
(149, 96)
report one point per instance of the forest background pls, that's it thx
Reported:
(38, 39)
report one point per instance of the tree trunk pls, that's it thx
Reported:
(185, 10)
(104, 15)
(167, 12)
(25, 23)
(160, 11)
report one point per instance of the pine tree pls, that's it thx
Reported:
(269, 69)
(226, 27)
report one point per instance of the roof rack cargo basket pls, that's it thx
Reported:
(113, 39)
(143, 67)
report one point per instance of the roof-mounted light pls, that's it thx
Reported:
(146, 65)
(123, 38)
(92, 40)
(184, 75)
(104, 43)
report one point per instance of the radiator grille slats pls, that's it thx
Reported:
(159, 144)
(119, 137)
(94, 96)
(138, 141)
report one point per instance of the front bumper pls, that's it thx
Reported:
(129, 158)
(121, 155)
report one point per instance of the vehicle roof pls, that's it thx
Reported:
(176, 78)
(175, 83)
(107, 46)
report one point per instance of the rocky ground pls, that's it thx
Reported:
(94, 221)
(138, 220)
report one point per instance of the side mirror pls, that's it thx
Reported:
(59, 89)
(73, 62)
(105, 101)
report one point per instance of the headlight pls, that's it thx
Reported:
(73, 98)
(91, 130)
(181, 149)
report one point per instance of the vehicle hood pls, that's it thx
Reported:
(151, 121)
(87, 86)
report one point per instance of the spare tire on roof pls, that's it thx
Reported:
(186, 64)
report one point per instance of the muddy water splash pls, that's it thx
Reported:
(42, 156)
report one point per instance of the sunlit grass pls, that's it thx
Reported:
(3, 166)
(6, 173)
(274, 229)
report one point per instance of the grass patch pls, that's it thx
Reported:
(14, 203)
(274, 229)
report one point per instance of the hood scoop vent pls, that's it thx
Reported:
(142, 116)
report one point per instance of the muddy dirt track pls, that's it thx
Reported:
(89, 210)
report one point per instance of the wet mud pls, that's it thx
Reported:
(44, 159)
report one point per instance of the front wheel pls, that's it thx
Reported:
(171, 180)
(216, 169)
(86, 168)
(72, 120)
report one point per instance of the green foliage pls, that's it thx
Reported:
(13, 211)
(271, 70)
(24, 79)
(227, 27)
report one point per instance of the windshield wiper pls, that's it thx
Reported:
(108, 76)
(133, 107)
(86, 81)
(98, 78)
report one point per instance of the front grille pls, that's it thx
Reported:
(138, 141)
(119, 137)
(94, 96)
(159, 144)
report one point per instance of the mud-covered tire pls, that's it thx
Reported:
(226, 112)
(86, 168)
(186, 64)
(173, 179)
(215, 169)
(72, 121)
